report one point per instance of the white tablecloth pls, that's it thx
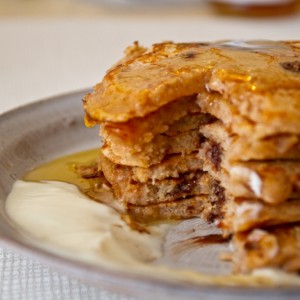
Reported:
(22, 278)
(41, 57)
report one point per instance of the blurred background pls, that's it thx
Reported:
(55, 46)
(49, 47)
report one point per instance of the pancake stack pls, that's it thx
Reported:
(208, 130)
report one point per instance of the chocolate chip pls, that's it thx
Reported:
(219, 192)
(293, 66)
(184, 187)
(188, 55)
(190, 208)
(250, 246)
(216, 156)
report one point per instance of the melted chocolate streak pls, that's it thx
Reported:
(198, 241)
(207, 240)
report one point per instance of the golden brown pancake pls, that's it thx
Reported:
(209, 130)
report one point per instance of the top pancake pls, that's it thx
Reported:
(258, 80)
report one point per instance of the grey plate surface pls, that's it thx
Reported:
(42, 131)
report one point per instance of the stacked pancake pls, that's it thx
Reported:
(208, 130)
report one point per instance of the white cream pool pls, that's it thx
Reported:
(59, 218)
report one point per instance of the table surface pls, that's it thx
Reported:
(53, 47)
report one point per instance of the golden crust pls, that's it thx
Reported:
(169, 71)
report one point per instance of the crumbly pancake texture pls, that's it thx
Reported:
(208, 130)
(277, 247)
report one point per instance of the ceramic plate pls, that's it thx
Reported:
(42, 131)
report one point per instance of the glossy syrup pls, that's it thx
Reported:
(64, 169)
